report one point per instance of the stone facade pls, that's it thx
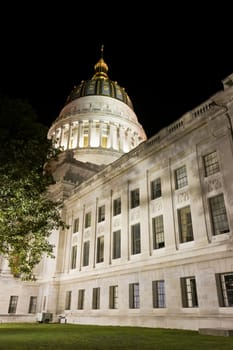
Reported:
(150, 239)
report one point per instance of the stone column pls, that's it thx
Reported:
(78, 135)
(69, 134)
(121, 138)
(90, 126)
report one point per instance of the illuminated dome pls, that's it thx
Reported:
(100, 84)
(98, 122)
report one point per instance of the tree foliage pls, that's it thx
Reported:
(27, 215)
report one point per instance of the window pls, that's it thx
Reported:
(113, 297)
(68, 300)
(44, 302)
(74, 257)
(104, 135)
(218, 215)
(86, 248)
(101, 213)
(96, 298)
(116, 248)
(134, 198)
(100, 249)
(116, 206)
(32, 305)
(134, 298)
(76, 225)
(158, 293)
(185, 224)
(225, 289)
(13, 304)
(81, 294)
(135, 239)
(158, 232)
(211, 164)
(85, 135)
(88, 220)
(189, 292)
(156, 191)
(181, 177)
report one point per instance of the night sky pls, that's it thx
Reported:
(169, 59)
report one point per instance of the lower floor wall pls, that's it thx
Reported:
(179, 321)
(188, 295)
(171, 321)
(5, 318)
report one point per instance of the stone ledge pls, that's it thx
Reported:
(225, 332)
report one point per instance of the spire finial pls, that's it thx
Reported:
(102, 50)
(101, 68)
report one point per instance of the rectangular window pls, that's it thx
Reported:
(218, 215)
(104, 135)
(96, 298)
(116, 248)
(85, 135)
(73, 257)
(189, 292)
(86, 249)
(181, 178)
(134, 298)
(156, 191)
(158, 293)
(100, 249)
(117, 206)
(32, 305)
(185, 224)
(101, 213)
(134, 198)
(76, 225)
(81, 294)
(225, 289)
(44, 302)
(158, 232)
(68, 300)
(113, 297)
(135, 239)
(211, 164)
(88, 220)
(13, 304)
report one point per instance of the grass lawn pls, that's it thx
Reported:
(66, 336)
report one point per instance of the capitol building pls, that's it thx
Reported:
(150, 237)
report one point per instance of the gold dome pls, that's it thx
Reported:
(100, 84)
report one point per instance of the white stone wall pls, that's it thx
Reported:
(203, 257)
(196, 134)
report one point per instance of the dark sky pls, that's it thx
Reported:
(169, 59)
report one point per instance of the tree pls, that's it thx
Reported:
(27, 214)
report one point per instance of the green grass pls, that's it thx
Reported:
(65, 336)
